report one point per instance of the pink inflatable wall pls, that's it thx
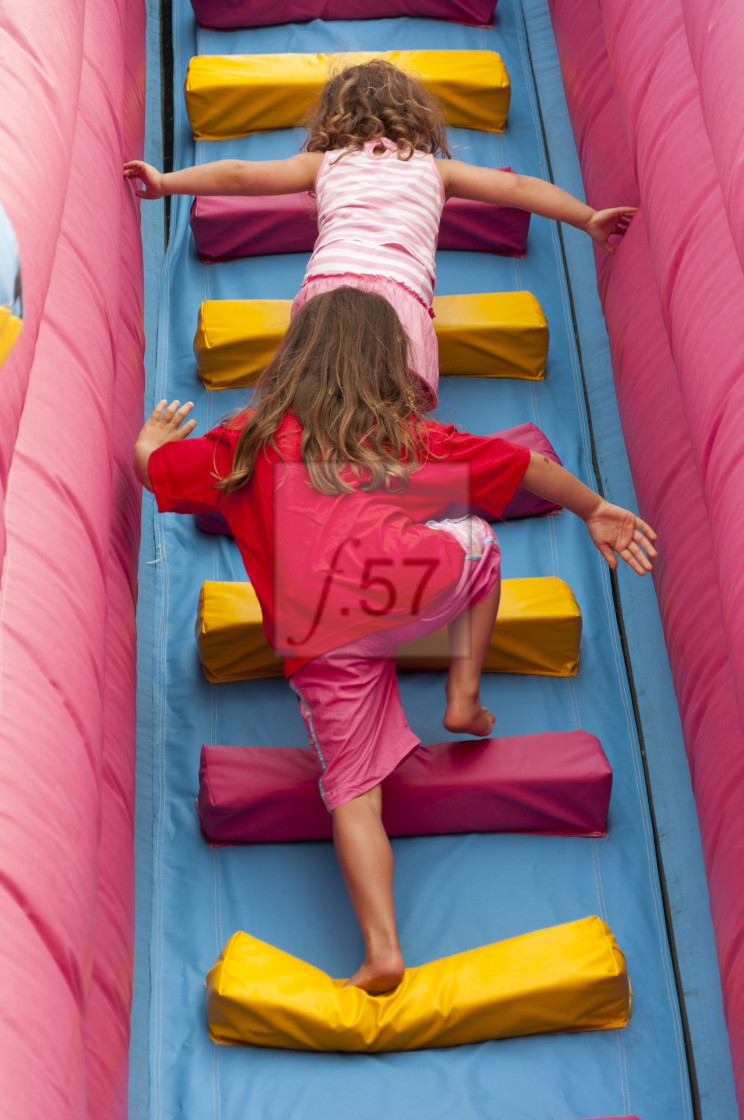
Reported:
(72, 96)
(655, 90)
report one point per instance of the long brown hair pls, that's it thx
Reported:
(376, 99)
(342, 369)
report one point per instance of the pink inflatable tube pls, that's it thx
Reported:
(555, 783)
(225, 228)
(73, 387)
(672, 298)
(715, 35)
(36, 175)
(257, 13)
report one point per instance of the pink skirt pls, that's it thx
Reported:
(423, 354)
(349, 698)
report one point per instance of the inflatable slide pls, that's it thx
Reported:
(591, 847)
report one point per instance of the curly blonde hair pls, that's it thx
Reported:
(342, 370)
(374, 100)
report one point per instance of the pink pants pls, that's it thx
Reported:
(423, 353)
(349, 698)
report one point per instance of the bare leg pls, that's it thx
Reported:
(366, 861)
(469, 636)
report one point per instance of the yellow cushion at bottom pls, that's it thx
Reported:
(571, 977)
(538, 630)
(486, 334)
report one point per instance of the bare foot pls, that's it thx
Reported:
(378, 975)
(465, 714)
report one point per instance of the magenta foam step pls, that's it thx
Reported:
(523, 504)
(229, 227)
(227, 14)
(555, 783)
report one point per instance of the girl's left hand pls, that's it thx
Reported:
(604, 223)
(615, 530)
(167, 422)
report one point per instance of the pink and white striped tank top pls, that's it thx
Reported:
(378, 216)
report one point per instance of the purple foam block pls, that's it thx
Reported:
(213, 523)
(555, 783)
(229, 227)
(227, 14)
(523, 504)
(483, 228)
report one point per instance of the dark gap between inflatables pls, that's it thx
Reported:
(166, 100)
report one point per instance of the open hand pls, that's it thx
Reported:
(167, 422)
(615, 530)
(150, 176)
(603, 223)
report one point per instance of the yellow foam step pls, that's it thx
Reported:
(491, 334)
(571, 977)
(234, 95)
(538, 630)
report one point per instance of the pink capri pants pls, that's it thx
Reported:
(349, 698)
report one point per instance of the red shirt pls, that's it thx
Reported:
(330, 568)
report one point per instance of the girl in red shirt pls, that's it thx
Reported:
(336, 488)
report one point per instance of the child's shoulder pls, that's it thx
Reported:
(448, 438)
(230, 427)
(434, 429)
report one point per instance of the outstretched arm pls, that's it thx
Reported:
(614, 530)
(505, 188)
(163, 425)
(229, 176)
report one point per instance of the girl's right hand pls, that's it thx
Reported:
(166, 423)
(604, 223)
(150, 176)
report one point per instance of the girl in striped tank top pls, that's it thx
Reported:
(379, 164)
